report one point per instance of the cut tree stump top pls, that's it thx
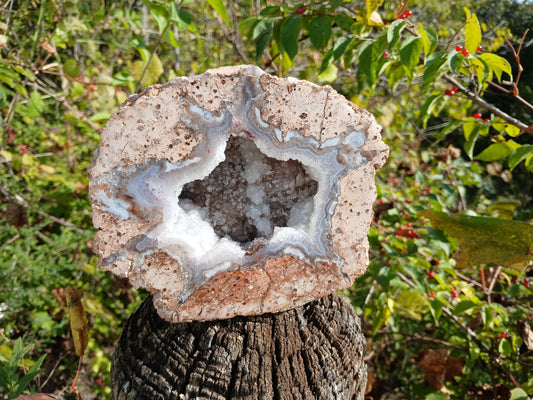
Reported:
(311, 352)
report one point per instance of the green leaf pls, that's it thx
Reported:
(436, 306)
(395, 73)
(261, 35)
(520, 154)
(247, 25)
(2, 96)
(8, 76)
(497, 151)
(152, 73)
(290, 32)
(394, 31)
(102, 116)
(472, 32)
(329, 74)
(220, 9)
(497, 65)
(473, 350)
(340, 47)
(160, 14)
(410, 304)
(410, 51)
(26, 379)
(428, 107)
(180, 18)
(71, 68)
(436, 396)
(462, 306)
(365, 62)
(433, 70)
(518, 394)
(320, 31)
(505, 348)
(455, 60)
(429, 39)
(481, 68)
(36, 105)
(486, 240)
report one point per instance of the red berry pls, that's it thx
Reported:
(464, 52)
(448, 92)
(407, 14)
(428, 190)
(454, 294)
(477, 116)
(381, 202)
(385, 54)
(300, 11)
(437, 262)
(504, 335)
(431, 294)
(458, 48)
(431, 274)
(479, 48)
(526, 283)
(454, 90)
(486, 120)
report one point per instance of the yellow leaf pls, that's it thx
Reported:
(78, 320)
(472, 32)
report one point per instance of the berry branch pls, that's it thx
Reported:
(496, 111)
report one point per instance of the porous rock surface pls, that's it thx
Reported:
(235, 193)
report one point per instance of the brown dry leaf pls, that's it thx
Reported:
(16, 215)
(78, 320)
(48, 47)
(438, 367)
(11, 135)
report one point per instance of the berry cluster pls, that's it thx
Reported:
(460, 49)
(526, 283)
(408, 233)
(406, 14)
(451, 92)
(454, 292)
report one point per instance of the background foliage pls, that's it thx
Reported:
(456, 111)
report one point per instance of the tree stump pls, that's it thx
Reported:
(311, 352)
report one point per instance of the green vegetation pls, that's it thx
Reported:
(456, 192)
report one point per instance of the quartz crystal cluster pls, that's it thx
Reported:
(235, 193)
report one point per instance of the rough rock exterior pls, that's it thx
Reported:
(235, 193)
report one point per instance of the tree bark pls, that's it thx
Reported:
(311, 352)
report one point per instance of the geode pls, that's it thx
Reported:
(235, 193)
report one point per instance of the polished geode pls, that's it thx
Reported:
(235, 193)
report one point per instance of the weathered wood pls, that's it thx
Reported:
(311, 352)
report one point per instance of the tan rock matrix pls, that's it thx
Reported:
(235, 193)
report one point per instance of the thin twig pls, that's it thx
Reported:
(496, 111)
(492, 283)
(500, 363)
(508, 92)
(517, 58)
